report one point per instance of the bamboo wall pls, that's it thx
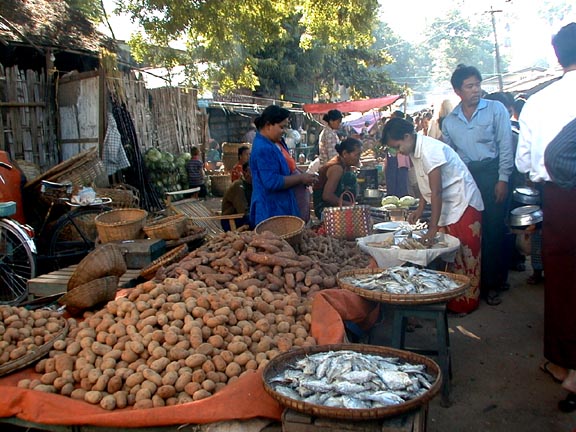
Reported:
(27, 129)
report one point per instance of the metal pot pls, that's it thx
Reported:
(526, 195)
(372, 193)
(526, 216)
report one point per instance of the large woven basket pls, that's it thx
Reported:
(90, 294)
(283, 361)
(168, 258)
(168, 228)
(287, 227)
(122, 196)
(105, 260)
(385, 297)
(121, 224)
(219, 184)
(34, 354)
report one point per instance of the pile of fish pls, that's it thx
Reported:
(404, 280)
(350, 379)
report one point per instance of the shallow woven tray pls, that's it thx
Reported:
(385, 297)
(168, 228)
(279, 363)
(190, 236)
(288, 228)
(33, 355)
(168, 258)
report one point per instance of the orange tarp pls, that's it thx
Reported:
(242, 400)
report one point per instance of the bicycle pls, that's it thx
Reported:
(66, 240)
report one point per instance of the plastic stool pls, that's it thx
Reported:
(436, 312)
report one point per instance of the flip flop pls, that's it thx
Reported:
(569, 404)
(545, 367)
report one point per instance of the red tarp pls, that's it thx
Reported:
(242, 400)
(351, 106)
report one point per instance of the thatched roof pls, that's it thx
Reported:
(48, 23)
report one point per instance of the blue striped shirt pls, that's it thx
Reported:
(560, 157)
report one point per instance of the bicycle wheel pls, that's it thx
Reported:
(74, 235)
(17, 262)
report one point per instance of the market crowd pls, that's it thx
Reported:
(464, 161)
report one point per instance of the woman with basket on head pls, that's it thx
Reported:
(337, 177)
(445, 182)
(274, 175)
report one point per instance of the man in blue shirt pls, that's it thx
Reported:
(479, 130)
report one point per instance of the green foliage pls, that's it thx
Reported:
(91, 9)
(234, 40)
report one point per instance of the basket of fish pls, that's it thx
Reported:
(351, 381)
(404, 285)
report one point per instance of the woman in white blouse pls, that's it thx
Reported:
(447, 185)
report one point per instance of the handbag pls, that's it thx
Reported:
(347, 222)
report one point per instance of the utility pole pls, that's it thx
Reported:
(496, 48)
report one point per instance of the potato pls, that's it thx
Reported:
(153, 376)
(93, 397)
(201, 394)
(233, 369)
(108, 402)
(237, 347)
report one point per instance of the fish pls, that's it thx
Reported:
(350, 379)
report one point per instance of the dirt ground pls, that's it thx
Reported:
(497, 384)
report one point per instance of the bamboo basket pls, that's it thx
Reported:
(90, 294)
(288, 228)
(168, 228)
(219, 184)
(121, 224)
(230, 154)
(283, 361)
(105, 260)
(405, 299)
(34, 354)
(122, 196)
(168, 258)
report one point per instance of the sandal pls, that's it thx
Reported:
(569, 404)
(545, 367)
(493, 298)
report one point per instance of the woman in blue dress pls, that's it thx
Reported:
(272, 169)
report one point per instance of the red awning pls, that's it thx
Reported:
(351, 106)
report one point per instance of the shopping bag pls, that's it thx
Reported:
(347, 222)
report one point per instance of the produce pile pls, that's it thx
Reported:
(237, 260)
(22, 331)
(167, 171)
(392, 202)
(226, 309)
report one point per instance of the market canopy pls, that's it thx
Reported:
(351, 106)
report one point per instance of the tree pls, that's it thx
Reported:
(227, 36)
(453, 39)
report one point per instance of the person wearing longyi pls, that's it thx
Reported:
(272, 167)
(445, 182)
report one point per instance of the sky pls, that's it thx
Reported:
(529, 35)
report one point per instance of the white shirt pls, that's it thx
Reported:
(458, 187)
(543, 116)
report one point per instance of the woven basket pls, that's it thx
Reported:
(168, 228)
(90, 294)
(406, 299)
(219, 184)
(287, 227)
(168, 258)
(84, 173)
(105, 260)
(121, 224)
(122, 196)
(283, 361)
(34, 354)
(29, 169)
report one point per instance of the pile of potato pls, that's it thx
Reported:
(22, 331)
(242, 259)
(172, 342)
